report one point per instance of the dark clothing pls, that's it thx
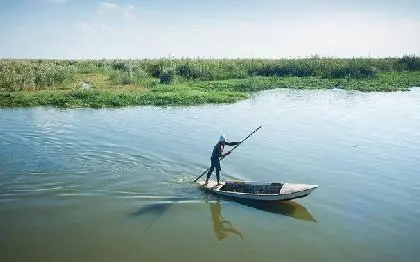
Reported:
(215, 163)
(215, 158)
(218, 148)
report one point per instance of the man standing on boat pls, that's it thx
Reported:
(216, 155)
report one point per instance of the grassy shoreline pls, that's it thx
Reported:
(160, 82)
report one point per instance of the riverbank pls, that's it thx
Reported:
(118, 83)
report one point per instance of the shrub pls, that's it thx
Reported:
(167, 76)
(410, 62)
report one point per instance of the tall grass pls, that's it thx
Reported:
(222, 69)
(33, 75)
(191, 81)
(18, 75)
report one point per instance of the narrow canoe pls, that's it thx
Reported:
(265, 191)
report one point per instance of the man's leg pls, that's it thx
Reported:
(218, 171)
(209, 173)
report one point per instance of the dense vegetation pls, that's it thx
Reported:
(190, 81)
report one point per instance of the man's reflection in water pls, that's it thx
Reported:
(221, 227)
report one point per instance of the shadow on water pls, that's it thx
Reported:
(158, 209)
(222, 228)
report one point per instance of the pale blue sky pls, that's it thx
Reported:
(208, 28)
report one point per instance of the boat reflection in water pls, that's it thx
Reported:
(288, 208)
(222, 228)
(285, 208)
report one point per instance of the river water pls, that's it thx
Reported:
(113, 184)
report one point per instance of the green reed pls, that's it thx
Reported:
(116, 83)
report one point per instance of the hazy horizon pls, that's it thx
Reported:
(76, 29)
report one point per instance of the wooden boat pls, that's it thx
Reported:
(257, 190)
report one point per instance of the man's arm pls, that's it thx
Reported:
(225, 154)
(229, 144)
(232, 143)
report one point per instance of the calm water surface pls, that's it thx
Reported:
(113, 184)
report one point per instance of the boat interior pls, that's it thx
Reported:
(273, 188)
